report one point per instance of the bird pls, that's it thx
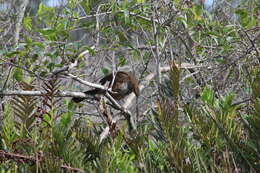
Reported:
(123, 84)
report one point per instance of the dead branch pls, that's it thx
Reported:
(42, 93)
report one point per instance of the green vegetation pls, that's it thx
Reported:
(199, 119)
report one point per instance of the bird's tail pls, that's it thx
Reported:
(89, 92)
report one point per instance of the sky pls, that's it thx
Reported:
(54, 3)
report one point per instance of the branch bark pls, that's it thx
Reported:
(42, 93)
(19, 20)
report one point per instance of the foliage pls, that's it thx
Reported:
(200, 119)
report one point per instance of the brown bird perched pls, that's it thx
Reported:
(124, 84)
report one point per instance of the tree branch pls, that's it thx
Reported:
(42, 93)
(20, 20)
(151, 76)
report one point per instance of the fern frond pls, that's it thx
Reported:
(50, 102)
(24, 108)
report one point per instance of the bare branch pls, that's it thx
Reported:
(157, 51)
(42, 93)
(93, 85)
(149, 77)
(65, 68)
(19, 20)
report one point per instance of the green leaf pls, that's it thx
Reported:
(27, 23)
(251, 23)
(105, 70)
(39, 44)
(122, 61)
(28, 40)
(86, 50)
(51, 66)
(183, 20)
(47, 119)
(114, 7)
(246, 20)
(12, 54)
(41, 10)
(87, 6)
(18, 74)
(207, 96)
(197, 11)
(126, 11)
(241, 12)
(65, 119)
(226, 102)
(45, 12)
(122, 37)
(43, 73)
(214, 34)
(48, 33)
(70, 105)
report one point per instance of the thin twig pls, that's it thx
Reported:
(253, 45)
